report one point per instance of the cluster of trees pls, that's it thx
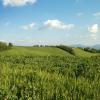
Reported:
(44, 46)
(5, 46)
(66, 48)
(92, 50)
(69, 49)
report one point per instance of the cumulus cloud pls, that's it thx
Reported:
(94, 28)
(29, 26)
(18, 2)
(56, 24)
(96, 14)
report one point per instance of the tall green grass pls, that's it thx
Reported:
(49, 78)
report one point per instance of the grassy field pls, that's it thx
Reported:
(44, 51)
(81, 53)
(48, 73)
(35, 51)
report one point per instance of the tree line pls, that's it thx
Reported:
(5, 46)
(91, 50)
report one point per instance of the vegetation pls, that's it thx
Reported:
(66, 48)
(34, 51)
(5, 46)
(47, 75)
(92, 50)
(10, 45)
(81, 53)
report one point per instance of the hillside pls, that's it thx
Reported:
(81, 53)
(28, 73)
(35, 51)
(44, 51)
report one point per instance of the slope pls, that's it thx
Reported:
(35, 51)
(82, 53)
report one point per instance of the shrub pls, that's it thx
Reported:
(66, 48)
(10, 45)
(92, 50)
(5, 46)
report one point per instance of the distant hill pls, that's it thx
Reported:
(45, 51)
(83, 46)
(78, 45)
(96, 46)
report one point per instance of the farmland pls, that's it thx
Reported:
(48, 73)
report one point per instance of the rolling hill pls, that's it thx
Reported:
(35, 51)
(44, 51)
(81, 53)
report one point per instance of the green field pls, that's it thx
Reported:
(49, 73)
(44, 51)
(81, 53)
(35, 51)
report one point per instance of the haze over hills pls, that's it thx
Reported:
(78, 45)
(97, 46)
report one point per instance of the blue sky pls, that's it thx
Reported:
(29, 22)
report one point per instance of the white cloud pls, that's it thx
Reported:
(18, 2)
(94, 28)
(56, 24)
(96, 14)
(29, 26)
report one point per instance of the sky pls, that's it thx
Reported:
(52, 22)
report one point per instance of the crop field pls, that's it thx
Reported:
(50, 75)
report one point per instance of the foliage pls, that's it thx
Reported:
(5, 46)
(66, 48)
(81, 53)
(10, 45)
(49, 78)
(92, 50)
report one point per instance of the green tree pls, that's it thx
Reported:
(10, 45)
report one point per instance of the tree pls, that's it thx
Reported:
(3, 46)
(66, 48)
(10, 45)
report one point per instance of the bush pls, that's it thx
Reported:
(10, 45)
(5, 46)
(92, 50)
(66, 48)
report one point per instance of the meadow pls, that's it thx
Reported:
(48, 73)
